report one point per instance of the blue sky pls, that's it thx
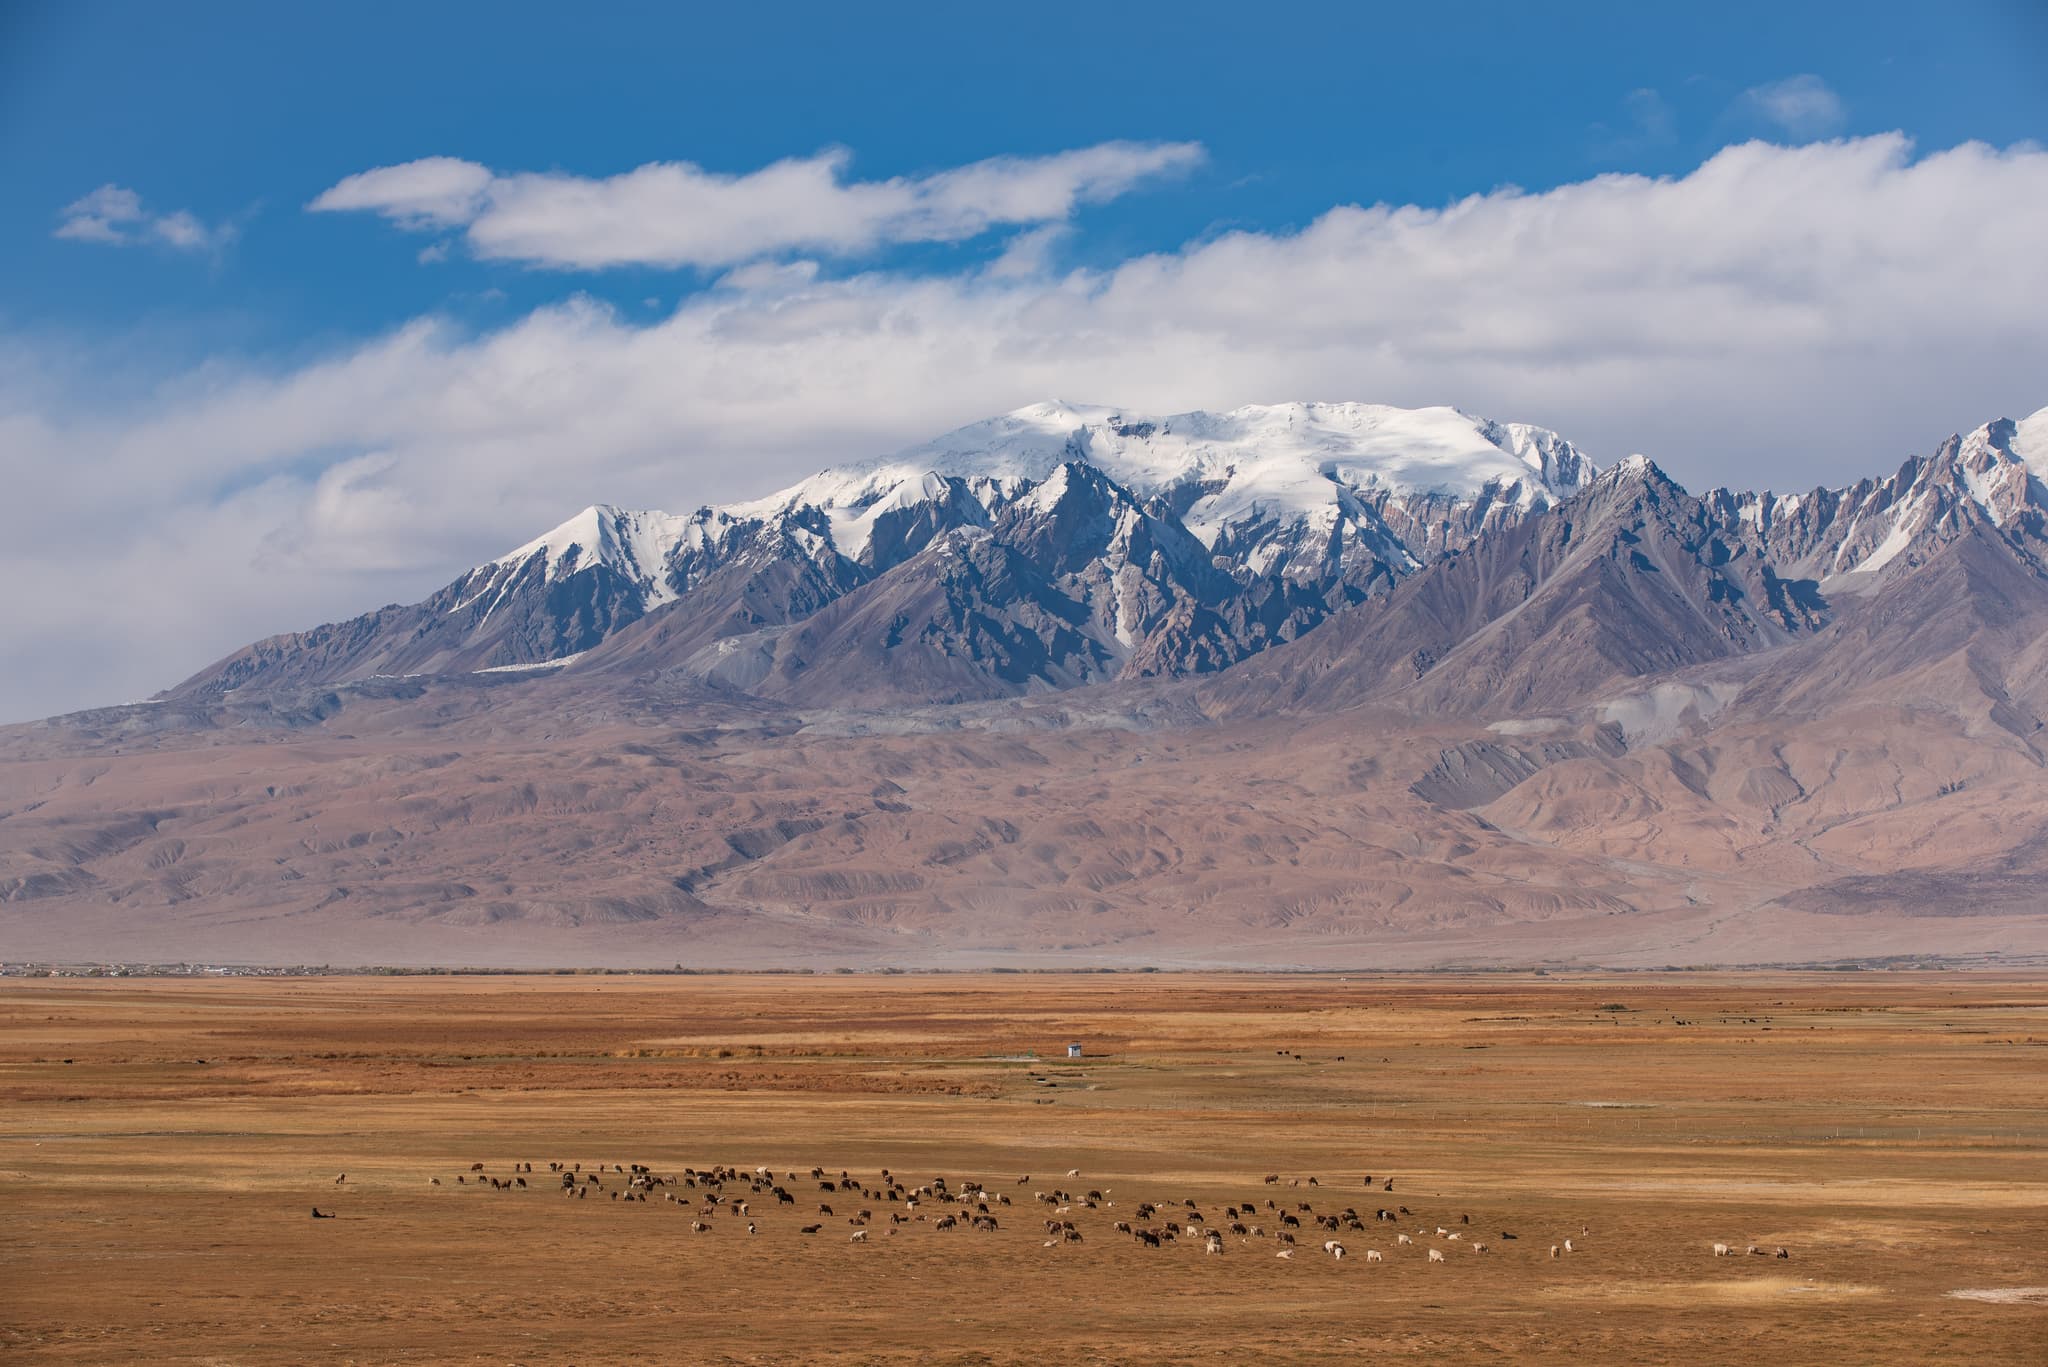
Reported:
(676, 255)
(242, 113)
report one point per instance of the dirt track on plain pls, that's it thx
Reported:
(162, 1143)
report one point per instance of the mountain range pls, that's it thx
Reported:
(1307, 684)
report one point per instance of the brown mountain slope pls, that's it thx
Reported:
(1631, 578)
(527, 824)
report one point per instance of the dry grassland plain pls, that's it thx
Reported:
(163, 1143)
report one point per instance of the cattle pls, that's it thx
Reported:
(1285, 1253)
(1782, 1252)
(1214, 1243)
(319, 1214)
(810, 1229)
(1568, 1246)
(1722, 1250)
(340, 1178)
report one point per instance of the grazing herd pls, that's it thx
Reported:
(725, 1197)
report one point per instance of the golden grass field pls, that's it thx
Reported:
(163, 1142)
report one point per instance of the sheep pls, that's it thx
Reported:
(1337, 1251)
(1372, 1255)
(859, 1236)
(1436, 1255)
(1402, 1238)
(1568, 1246)
(1285, 1253)
(1722, 1250)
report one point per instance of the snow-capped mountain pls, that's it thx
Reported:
(1061, 545)
(1166, 545)
(1380, 678)
(1829, 535)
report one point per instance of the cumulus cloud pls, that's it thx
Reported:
(114, 215)
(1781, 316)
(1803, 106)
(678, 214)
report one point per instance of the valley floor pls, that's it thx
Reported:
(163, 1142)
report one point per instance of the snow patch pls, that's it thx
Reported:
(560, 663)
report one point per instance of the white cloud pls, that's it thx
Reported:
(679, 214)
(1803, 106)
(433, 192)
(1781, 316)
(114, 215)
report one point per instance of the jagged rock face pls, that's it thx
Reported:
(1469, 565)
(1928, 503)
(1174, 546)
(1632, 577)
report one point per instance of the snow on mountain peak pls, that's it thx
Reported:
(2029, 441)
(1262, 466)
(1263, 462)
(633, 542)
